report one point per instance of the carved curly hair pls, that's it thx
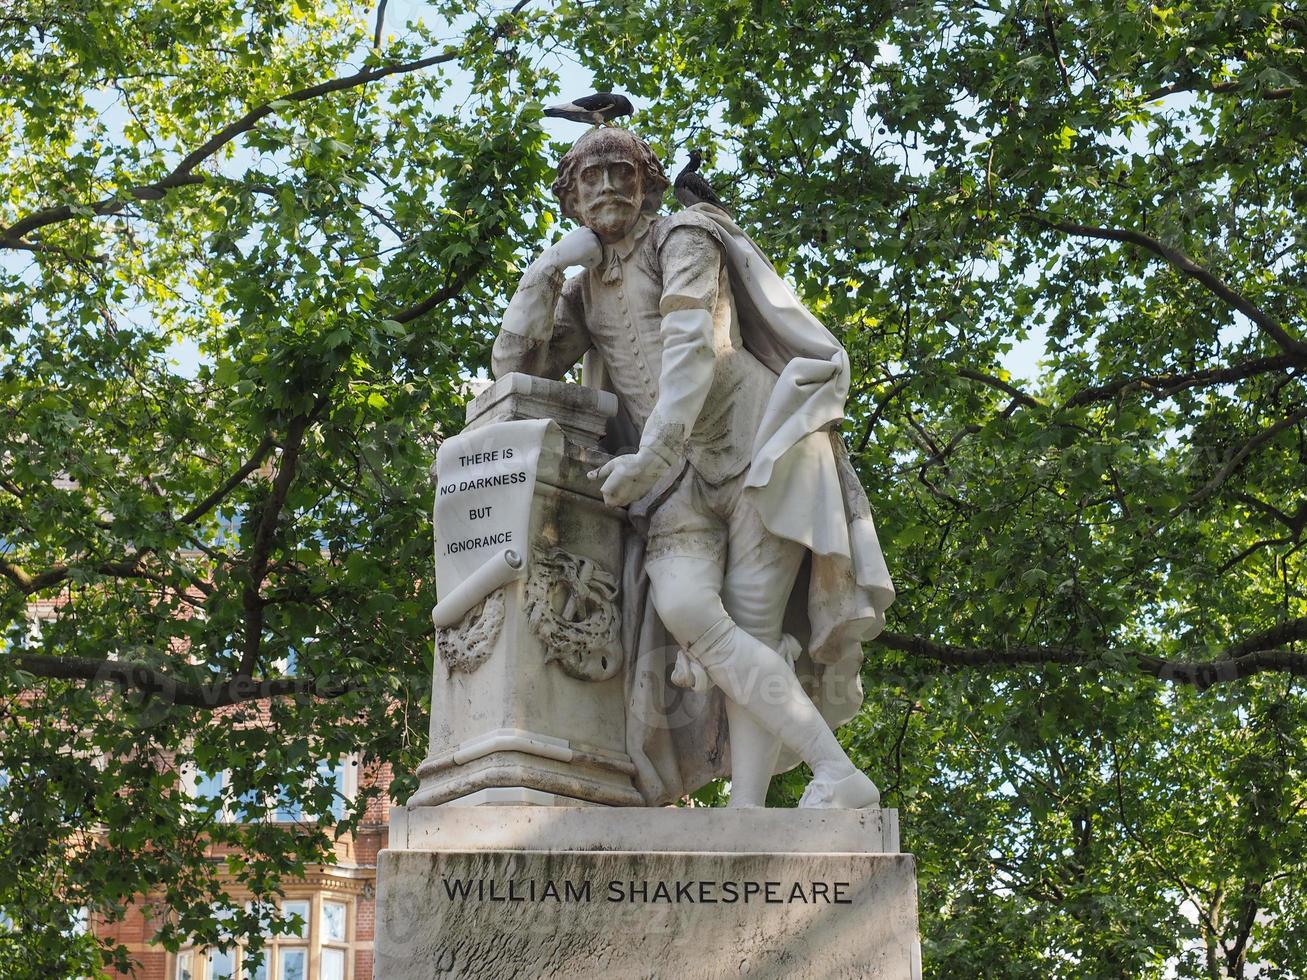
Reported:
(610, 139)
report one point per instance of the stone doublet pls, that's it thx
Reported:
(670, 263)
(624, 321)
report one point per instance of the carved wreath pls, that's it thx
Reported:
(571, 605)
(465, 646)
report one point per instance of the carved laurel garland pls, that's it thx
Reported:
(466, 646)
(571, 605)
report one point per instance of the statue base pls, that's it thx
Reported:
(526, 707)
(524, 891)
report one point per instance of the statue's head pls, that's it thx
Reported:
(607, 179)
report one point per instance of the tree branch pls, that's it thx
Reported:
(443, 295)
(19, 576)
(45, 248)
(1287, 632)
(252, 599)
(1051, 31)
(130, 567)
(213, 499)
(1169, 384)
(381, 20)
(1236, 955)
(183, 174)
(1017, 394)
(1248, 552)
(1295, 522)
(29, 583)
(1236, 459)
(883, 404)
(1177, 259)
(1216, 88)
(898, 749)
(1254, 655)
(155, 683)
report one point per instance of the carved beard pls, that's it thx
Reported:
(612, 217)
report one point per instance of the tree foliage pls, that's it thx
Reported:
(1089, 701)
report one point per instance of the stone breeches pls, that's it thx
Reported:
(741, 566)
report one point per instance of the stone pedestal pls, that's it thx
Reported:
(526, 851)
(527, 702)
(512, 892)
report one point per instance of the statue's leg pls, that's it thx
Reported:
(753, 757)
(752, 674)
(760, 574)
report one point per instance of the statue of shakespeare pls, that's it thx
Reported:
(754, 545)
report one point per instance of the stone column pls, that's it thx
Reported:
(527, 702)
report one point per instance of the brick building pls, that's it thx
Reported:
(336, 902)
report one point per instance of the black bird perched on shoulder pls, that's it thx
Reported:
(600, 108)
(690, 188)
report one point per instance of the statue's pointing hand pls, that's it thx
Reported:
(628, 478)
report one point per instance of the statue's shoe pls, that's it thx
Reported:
(854, 792)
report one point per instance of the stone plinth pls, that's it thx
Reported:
(678, 915)
(528, 703)
(582, 413)
(650, 828)
(646, 893)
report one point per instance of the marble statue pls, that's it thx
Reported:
(751, 542)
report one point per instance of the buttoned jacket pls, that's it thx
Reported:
(619, 309)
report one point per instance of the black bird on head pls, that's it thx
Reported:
(690, 188)
(599, 109)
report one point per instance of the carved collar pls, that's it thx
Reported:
(618, 252)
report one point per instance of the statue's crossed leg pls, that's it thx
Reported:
(726, 612)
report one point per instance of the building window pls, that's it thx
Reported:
(288, 810)
(288, 664)
(228, 531)
(335, 938)
(334, 921)
(216, 792)
(300, 909)
(335, 775)
(208, 786)
(294, 964)
(285, 955)
(333, 964)
(222, 965)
